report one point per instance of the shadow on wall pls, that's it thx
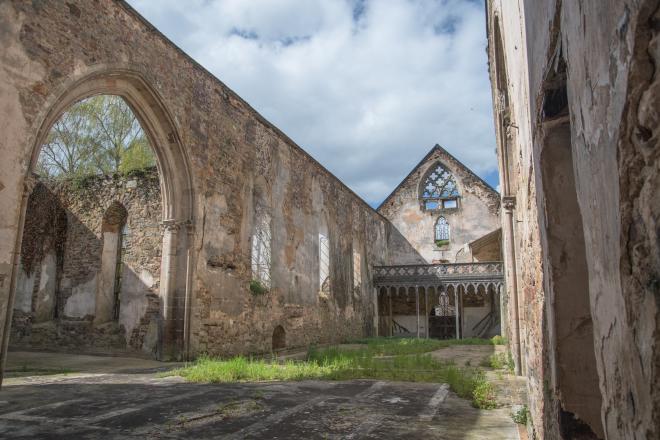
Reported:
(82, 291)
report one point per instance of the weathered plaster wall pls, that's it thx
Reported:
(477, 215)
(610, 49)
(215, 153)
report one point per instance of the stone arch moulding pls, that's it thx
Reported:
(175, 181)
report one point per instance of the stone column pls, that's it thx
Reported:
(168, 286)
(391, 323)
(508, 205)
(456, 309)
(417, 305)
(187, 307)
(426, 309)
(377, 316)
(9, 274)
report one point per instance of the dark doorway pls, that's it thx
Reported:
(279, 338)
(577, 376)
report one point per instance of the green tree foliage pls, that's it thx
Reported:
(98, 135)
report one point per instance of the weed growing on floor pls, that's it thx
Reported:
(335, 363)
(483, 395)
(521, 416)
(498, 340)
(499, 361)
(386, 346)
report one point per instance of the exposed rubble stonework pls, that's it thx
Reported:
(68, 319)
(576, 98)
(218, 160)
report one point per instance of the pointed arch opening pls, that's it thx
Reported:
(438, 189)
(170, 331)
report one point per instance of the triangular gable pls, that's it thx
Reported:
(450, 157)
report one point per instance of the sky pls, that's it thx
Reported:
(367, 87)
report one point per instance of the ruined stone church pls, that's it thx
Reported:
(239, 242)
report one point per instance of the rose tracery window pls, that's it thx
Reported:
(439, 190)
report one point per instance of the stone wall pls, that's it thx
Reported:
(65, 319)
(576, 99)
(477, 213)
(217, 156)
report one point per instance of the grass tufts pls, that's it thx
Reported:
(521, 415)
(396, 360)
(499, 361)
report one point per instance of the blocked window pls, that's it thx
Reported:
(261, 258)
(357, 270)
(442, 230)
(324, 264)
(439, 189)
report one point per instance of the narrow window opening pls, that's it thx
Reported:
(261, 256)
(357, 270)
(442, 231)
(324, 264)
(119, 269)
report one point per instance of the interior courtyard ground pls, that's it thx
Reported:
(241, 243)
(56, 395)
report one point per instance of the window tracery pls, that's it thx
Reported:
(324, 264)
(442, 231)
(261, 258)
(439, 189)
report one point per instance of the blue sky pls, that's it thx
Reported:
(367, 87)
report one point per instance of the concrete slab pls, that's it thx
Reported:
(124, 399)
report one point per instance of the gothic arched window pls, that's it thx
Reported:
(442, 231)
(439, 189)
(261, 247)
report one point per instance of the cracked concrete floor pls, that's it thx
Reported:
(137, 404)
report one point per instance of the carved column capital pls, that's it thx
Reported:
(171, 225)
(509, 203)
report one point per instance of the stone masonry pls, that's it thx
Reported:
(217, 159)
(575, 92)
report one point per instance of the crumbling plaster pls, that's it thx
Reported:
(477, 213)
(609, 49)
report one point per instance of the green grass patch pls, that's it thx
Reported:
(27, 371)
(499, 340)
(335, 363)
(499, 361)
(257, 288)
(386, 346)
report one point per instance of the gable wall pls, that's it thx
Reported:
(478, 212)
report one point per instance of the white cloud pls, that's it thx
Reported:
(366, 87)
